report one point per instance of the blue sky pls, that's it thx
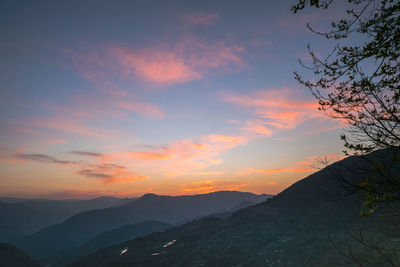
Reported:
(185, 97)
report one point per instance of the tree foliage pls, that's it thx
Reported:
(359, 83)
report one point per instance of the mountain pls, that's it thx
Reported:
(11, 256)
(54, 241)
(301, 226)
(18, 220)
(25, 216)
(115, 236)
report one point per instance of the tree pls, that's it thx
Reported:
(360, 84)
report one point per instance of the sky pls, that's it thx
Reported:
(122, 98)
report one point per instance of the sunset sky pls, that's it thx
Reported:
(122, 98)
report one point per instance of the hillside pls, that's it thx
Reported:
(298, 227)
(11, 256)
(115, 236)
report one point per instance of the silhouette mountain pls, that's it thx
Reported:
(115, 236)
(25, 216)
(11, 256)
(292, 229)
(49, 244)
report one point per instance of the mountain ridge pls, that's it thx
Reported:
(50, 243)
(290, 229)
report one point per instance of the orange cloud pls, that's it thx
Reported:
(194, 173)
(308, 165)
(215, 161)
(279, 170)
(150, 156)
(275, 109)
(187, 154)
(318, 162)
(209, 186)
(203, 148)
(258, 128)
(204, 19)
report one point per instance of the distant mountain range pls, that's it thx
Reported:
(50, 244)
(20, 217)
(305, 225)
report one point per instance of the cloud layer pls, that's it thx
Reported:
(274, 110)
(189, 59)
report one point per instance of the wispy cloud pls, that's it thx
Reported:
(277, 170)
(188, 154)
(110, 173)
(203, 148)
(142, 108)
(233, 121)
(43, 158)
(274, 109)
(164, 63)
(310, 164)
(157, 65)
(105, 172)
(209, 186)
(70, 125)
(87, 153)
(257, 127)
(200, 18)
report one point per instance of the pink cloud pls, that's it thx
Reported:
(164, 63)
(187, 154)
(258, 128)
(141, 108)
(200, 18)
(187, 60)
(308, 165)
(199, 148)
(34, 136)
(274, 109)
(233, 121)
(55, 141)
(71, 126)
(155, 65)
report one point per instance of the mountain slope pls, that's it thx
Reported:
(50, 243)
(295, 228)
(115, 236)
(11, 256)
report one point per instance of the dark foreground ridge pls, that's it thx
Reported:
(11, 256)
